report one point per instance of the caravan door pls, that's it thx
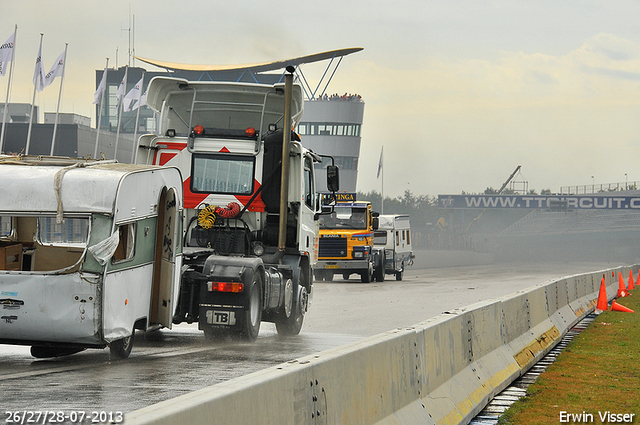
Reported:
(166, 264)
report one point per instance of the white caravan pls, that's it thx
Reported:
(90, 251)
(392, 242)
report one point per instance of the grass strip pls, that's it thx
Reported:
(596, 379)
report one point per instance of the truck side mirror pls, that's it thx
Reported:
(376, 223)
(333, 178)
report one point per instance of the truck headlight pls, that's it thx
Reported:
(358, 254)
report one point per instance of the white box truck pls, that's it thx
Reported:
(392, 245)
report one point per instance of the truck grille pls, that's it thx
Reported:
(332, 247)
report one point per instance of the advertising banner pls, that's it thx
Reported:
(553, 202)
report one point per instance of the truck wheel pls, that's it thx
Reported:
(290, 326)
(345, 276)
(399, 274)
(378, 274)
(367, 275)
(121, 348)
(253, 314)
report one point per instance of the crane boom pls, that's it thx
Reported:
(509, 179)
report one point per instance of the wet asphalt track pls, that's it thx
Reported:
(181, 360)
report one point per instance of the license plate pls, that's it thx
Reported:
(217, 317)
(331, 266)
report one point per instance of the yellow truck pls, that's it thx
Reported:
(346, 240)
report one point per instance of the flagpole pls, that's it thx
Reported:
(381, 174)
(35, 89)
(115, 154)
(55, 125)
(104, 76)
(134, 152)
(6, 102)
(382, 186)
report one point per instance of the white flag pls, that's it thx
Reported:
(6, 51)
(121, 89)
(38, 73)
(56, 70)
(103, 83)
(380, 163)
(132, 99)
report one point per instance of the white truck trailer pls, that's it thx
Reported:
(392, 243)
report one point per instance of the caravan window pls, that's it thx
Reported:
(222, 174)
(6, 226)
(380, 237)
(126, 243)
(72, 231)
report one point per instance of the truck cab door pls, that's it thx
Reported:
(164, 270)
(309, 225)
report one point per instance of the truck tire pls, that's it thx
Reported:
(121, 348)
(253, 314)
(345, 276)
(400, 273)
(378, 272)
(291, 326)
(367, 275)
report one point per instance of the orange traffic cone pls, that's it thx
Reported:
(622, 290)
(617, 307)
(602, 297)
(631, 284)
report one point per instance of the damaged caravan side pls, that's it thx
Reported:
(89, 252)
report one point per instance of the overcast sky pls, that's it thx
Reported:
(458, 92)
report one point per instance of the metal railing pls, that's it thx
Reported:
(599, 188)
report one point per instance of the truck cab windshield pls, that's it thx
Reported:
(222, 174)
(345, 218)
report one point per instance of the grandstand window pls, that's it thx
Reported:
(328, 129)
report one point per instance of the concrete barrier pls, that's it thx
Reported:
(440, 371)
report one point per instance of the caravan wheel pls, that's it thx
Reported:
(121, 348)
